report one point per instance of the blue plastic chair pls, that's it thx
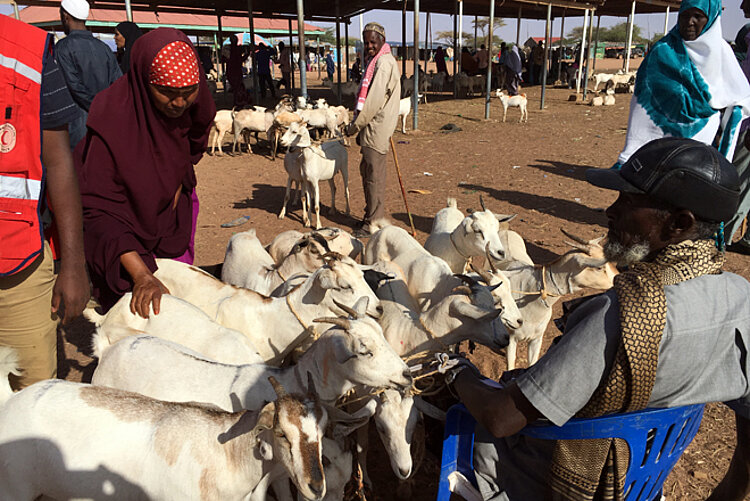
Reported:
(656, 438)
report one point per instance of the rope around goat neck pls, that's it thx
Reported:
(311, 329)
(541, 292)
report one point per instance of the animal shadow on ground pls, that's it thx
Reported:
(421, 223)
(539, 254)
(577, 172)
(562, 209)
(78, 333)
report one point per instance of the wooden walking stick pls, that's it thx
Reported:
(403, 191)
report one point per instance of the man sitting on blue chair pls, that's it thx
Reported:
(673, 331)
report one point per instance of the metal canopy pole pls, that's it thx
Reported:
(128, 11)
(251, 20)
(346, 45)
(546, 53)
(301, 34)
(518, 27)
(460, 32)
(455, 46)
(560, 56)
(476, 22)
(403, 42)
(415, 92)
(291, 54)
(596, 44)
(426, 41)
(588, 57)
(666, 20)
(583, 41)
(317, 54)
(338, 50)
(489, 66)
(630, 37)
(220, 46)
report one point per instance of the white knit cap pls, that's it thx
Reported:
(79, 9)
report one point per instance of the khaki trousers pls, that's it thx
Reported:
(26, 320)
(373, 171)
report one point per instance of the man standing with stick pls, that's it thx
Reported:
(375, 118)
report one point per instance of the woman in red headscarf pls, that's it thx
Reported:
(135, 168)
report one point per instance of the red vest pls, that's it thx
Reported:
(22, 49)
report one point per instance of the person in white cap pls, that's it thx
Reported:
(87, 64)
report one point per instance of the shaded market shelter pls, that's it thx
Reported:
(338, 11)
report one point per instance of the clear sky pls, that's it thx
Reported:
(732, 20)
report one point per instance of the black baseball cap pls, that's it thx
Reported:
(682, 172)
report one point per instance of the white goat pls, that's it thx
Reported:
(222, 124)
(135, 447)
(178, 321)
(251, 121)
(518, 101)
(469, 314)
(350, 353)
(388, 243)
(404, 108)
(318, 163)
(323, 118)
(274, 325)
(474, 235)
(338, 240)
(248, 265)
(541, 286)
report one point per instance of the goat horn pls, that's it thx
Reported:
(466, 279)
(482, 273)
(597, 240)
(462, 289)
(277, 387)
(349, 310)
(489, 259)
(481, 202)
(580, 240)
(344, 323)
(578, 246)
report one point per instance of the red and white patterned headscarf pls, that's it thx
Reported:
(175, 65)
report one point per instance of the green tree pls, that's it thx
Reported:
(446, 37)
(482, 24)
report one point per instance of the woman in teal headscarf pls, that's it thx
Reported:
(689, 85)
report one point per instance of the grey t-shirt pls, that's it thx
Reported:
(702, 358)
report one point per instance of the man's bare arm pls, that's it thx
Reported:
(736, 483)
(71, 290)
(501, 411)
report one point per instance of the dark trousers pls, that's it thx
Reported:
(286, 79)
(372, 168)
(265, 81)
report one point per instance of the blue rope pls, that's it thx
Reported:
(719, 238)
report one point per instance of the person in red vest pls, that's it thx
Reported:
(37, 178)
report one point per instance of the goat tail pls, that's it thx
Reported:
(452, 203)
(99, 343)
(8, 366)
(92, 316)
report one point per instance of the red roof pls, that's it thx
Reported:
(541, 39)
(50, 15)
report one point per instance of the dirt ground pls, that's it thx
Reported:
(535, 170)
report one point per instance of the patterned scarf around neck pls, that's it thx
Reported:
(364, 85)
(584, 470)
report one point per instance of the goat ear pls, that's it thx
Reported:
(264, 447)
(327, 279)
(467, 310)
(361, 306)
(342, 423)
(265, 419)
(505, 218)
(342, 350)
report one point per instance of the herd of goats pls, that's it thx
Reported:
(270, 374)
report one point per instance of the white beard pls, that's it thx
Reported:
(625, 256)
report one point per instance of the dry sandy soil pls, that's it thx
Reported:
(535, 170)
